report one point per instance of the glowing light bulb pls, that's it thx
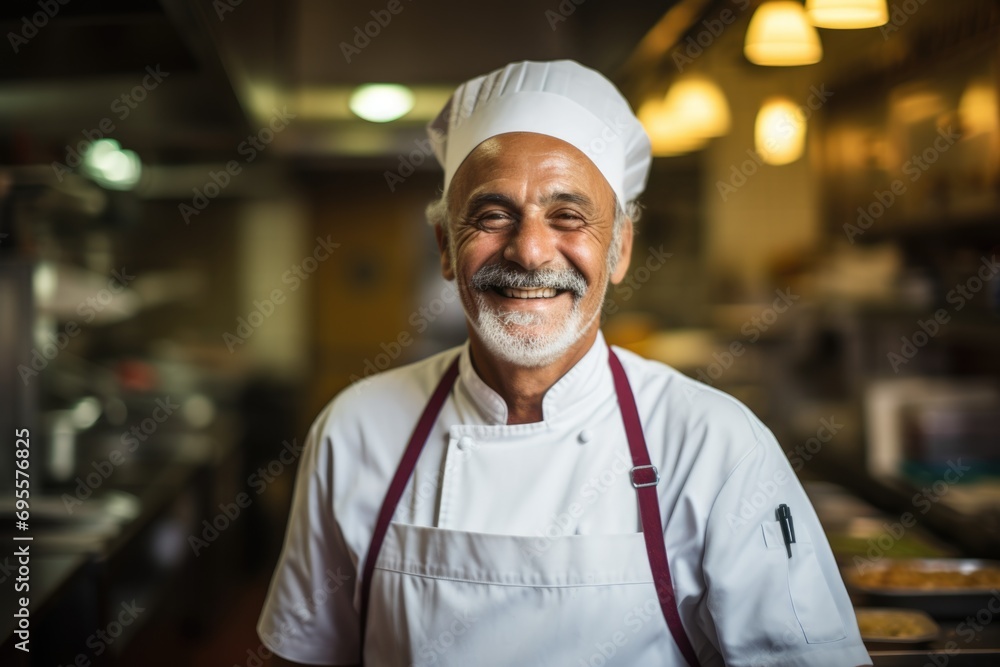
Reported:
(381, 102)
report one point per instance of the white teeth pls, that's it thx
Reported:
(537, 293)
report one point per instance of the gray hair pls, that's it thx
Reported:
(437, 216)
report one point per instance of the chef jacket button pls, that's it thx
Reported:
(584, 436)
(465, 443)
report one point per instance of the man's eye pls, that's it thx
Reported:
(493, 219)
(568, 218)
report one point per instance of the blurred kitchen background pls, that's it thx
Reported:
(203, 239)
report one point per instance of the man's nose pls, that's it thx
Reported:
(532, 244)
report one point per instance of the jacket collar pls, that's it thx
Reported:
(588, 380)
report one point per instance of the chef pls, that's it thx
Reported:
(534, 496)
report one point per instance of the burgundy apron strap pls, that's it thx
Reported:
(402, 476)
(644, 478)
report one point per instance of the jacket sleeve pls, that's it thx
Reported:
(769, 609)
(309, 615)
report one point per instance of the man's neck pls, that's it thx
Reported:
(524, 388)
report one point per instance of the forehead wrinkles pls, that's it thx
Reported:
(523, 164)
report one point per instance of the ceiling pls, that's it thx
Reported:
(228, 65)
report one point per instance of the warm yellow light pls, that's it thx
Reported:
(698, 106)
(381, 102)
(915, 105)
(978, 108)
(693, 111)
(780, 34)
(666, 132)
(845, 14)
(780, 132)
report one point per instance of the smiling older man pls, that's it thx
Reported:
(536, 497)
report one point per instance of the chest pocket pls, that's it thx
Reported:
(812, 602)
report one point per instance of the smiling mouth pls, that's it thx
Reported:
(534, 293)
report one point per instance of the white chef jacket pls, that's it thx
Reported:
(741, 599)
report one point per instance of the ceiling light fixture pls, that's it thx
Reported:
(780, 131)
(780, 34)
(381, 102)
(110, 166)
(699, 106)
(666, 132)
(847, 14)
(693, 111)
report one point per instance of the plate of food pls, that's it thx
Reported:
(889, 629)
(942, 587)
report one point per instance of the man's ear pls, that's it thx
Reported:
(625, 255)
(445, 247)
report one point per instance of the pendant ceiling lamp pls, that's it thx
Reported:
(693, 111)
(780, 34)
(666, 133)
(699, 105)
(780, 131)
(846, 14)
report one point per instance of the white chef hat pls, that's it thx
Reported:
(561, 99)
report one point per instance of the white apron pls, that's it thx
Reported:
(432, 596)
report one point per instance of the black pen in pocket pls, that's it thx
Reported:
(787, 528)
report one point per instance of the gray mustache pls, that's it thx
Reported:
(496, 275)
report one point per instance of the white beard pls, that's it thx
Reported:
(530, 351)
